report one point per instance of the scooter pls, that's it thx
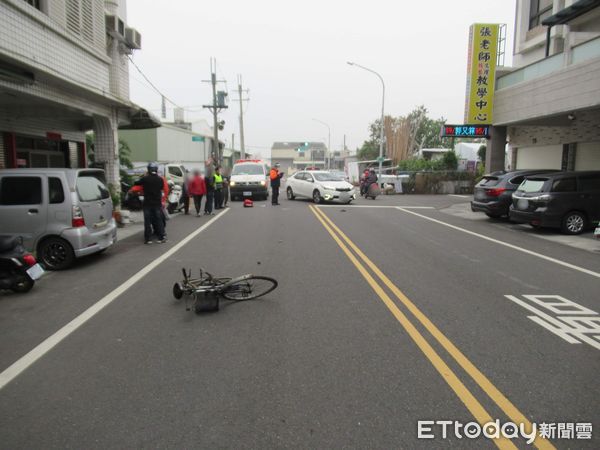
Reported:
(133, 200)
(18, 268)
(175, 201)
(372, 191)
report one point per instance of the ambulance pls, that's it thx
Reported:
(249, 179)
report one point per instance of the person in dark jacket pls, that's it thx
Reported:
(275, 177)
(218, 188)
(210, 192)
(153, 186)
(185, 195)
(226, 181)
(371, 179)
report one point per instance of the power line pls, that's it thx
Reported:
(150, 82)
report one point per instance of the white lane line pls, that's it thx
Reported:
(49, 343)
(459, 196)
(374, 206)
(505, 244)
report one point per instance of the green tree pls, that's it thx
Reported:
(481, 153)
(426, 131)
(370, 149)
(124, 156)
(450, 160)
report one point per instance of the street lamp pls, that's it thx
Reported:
(328, 140)
(382, 112)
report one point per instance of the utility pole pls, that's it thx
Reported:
(241, 99)
(215, 107)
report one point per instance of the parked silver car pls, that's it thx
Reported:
(62, 214)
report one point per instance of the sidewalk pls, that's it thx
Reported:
(136, 225)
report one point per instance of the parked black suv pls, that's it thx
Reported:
(566, 200)
(493, 193)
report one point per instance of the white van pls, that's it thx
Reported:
(249, 179)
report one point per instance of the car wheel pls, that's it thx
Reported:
(317, 196)
(290, 194)
(55, 253)
(574, 223)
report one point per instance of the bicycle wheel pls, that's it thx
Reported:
(250, 288)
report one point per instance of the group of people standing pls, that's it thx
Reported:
(214, 186)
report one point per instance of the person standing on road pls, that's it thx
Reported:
(185, 194)
(275, 177)
(218, 188)
(225, 191)
(197, 189)
(210, 191)
(153, 185)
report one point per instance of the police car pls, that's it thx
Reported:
(249, 179)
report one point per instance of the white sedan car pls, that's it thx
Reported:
(320, 186)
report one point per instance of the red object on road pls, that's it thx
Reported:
(248, 203)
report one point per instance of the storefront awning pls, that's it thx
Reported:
(141, 119)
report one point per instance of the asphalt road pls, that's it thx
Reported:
(386, 314)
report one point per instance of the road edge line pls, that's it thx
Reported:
(25, 361)
(506, 244)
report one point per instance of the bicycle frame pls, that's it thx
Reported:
(205, 285)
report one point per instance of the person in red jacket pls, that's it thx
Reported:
(197, 189)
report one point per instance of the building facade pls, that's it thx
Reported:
(548, 106)
(64, 71)
(293, 156)
(167, 144)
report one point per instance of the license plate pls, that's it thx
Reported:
(247, 194)
(522, 203)
(479, 195)
(35, 272)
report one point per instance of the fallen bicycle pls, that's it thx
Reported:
(204, 292)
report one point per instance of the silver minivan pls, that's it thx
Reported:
(61, 214)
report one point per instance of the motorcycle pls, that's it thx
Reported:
(175, 198)
(18, 268)
(133, 200)
(373, 190)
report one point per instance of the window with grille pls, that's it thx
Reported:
(80, 18)
(34, 3)
(538, 11)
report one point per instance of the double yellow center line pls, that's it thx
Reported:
(355, 255)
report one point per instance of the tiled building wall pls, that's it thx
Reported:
(585, 128)
(572, 88)
(37, 126)
(41, 41)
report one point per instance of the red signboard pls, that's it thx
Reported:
(53, 136)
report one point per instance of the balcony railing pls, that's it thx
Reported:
(579, 53)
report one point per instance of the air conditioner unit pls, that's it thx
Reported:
(115, 26)
(133, 38)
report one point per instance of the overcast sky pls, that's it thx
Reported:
(292, 56)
